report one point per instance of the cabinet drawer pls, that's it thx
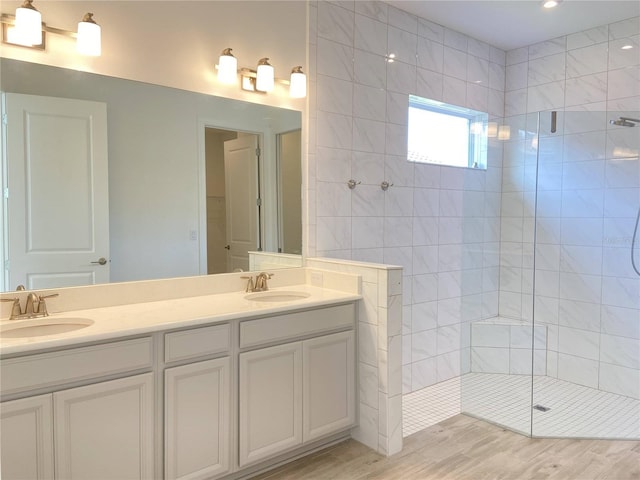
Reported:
(75, 364)
(196, 342)
(292, 325)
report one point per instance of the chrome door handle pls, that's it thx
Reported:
(101, 261)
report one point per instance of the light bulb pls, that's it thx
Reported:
(298, 83)
(28, 24)
(89, 40)
(265, 76)
(227, 67)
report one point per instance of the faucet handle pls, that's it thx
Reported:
(15, 308)
(249, 287)
(42, 306)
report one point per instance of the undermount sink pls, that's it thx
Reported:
(277, 296)
(38, 327)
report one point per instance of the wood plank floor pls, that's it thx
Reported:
(464, 448)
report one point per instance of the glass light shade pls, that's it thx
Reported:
(504, 132)
(298, 83)
(265, 76)
(28, 25)
(227, 67)
(89, 38)
(492, 130)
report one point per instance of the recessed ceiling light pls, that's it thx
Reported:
(626, 47)
(550, 3)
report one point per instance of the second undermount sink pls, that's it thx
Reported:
(38, 327)
(277, 296)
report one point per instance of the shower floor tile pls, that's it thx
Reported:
(574, 410)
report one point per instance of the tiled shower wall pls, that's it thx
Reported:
(588, 195)
(441, 224)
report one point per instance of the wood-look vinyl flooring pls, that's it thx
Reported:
(464, 448)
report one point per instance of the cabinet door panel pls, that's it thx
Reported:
(270, 401)
(197, 420)
(328, 385)
(105, 430)
(26, 438)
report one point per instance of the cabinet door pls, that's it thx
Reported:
(197, 420)
(270, 401)
(26, 436)
(105, 430)
(328, 385)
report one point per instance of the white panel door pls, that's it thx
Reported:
(241, 196)
(105, 430)
(328, 385)
(270, 401)
(197, 434)
(26, 438)
(57, 176)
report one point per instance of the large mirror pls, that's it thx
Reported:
(169, 191)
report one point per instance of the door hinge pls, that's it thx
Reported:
(259, 202)
(258, 152)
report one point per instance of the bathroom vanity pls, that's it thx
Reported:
(219, 385)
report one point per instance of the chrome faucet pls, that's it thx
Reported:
(36, 305)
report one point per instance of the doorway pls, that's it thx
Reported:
(232, 199)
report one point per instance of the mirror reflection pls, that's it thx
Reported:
(190, 184)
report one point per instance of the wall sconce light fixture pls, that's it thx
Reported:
(262, 79)
(26, 29)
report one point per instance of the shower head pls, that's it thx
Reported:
(625, 122)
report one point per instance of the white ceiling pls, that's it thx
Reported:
(510, 24)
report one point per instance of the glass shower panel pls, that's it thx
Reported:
(498, 385)
(586, 353)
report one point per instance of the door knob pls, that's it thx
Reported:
(101, 261)
(228, 247)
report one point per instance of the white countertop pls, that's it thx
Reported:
(142, 318)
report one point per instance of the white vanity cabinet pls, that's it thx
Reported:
(101, 430)
(295, 392)
(197, 426)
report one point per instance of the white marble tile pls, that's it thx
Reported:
(620, 380)
(396, 144)
(423, 374)
(429, 85)
(624, 322)
(624, 28)
(497, 76)
(367, 430)
(622, 174)
(583, 315)
(489, 360)
(586, 89)
(580, 343)
(515, 102)
(397, 105)
(581, 259)
(368, 135)
(336, 199)
(430, 30)
(477, 97)
(369, 255)
(455, 63)
(333, 233)
(334, 130)
(517, 55)
(587, 60)
(335, 23)
(588, 37)
(402, 44)
(368, 307)
(516, 76)
(368, 343)
(578, 370)
(430, 54)
(370, 35)
(425, 231)
(583, 175)
(397, 169)
(423, 345)
(477, 70)
(334, 95)
(486, 335)
(333, 165)
(615, 262)
(335, 60)
(624, 82)
(449, 284)
(369, 69)
(451, 203)
(621, 351)
(398, 201)
(454, 91)
(498, 56)
(546, 97)
(546, 69)
(426, 203)
(425, 259)
(367, 168)
(401, 19)
(448, 365)
(424, 316)
(478, 48)
(366, 232)
(449, 339)
(621, 56)
(425, 288)
(368, 102)
(583, 203)
(455, 39)
(584, 146)
(373, 9)
(368, 384)
(399, 256)
(406, 349)
(620, 292)
(549, 47)
(398, 231)
(580, 287)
